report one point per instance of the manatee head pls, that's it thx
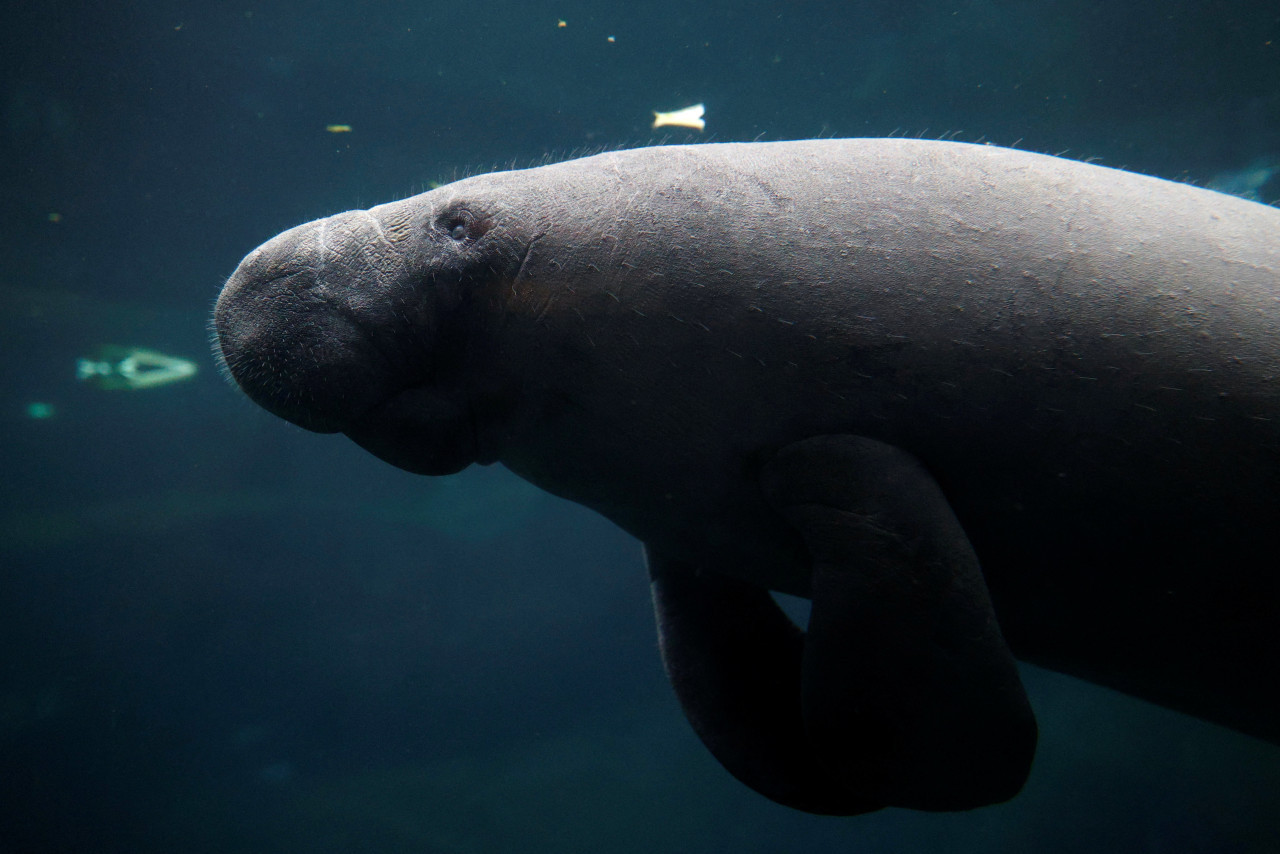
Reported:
(362, 323)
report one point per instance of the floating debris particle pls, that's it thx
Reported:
(689, 117)
(338, 128)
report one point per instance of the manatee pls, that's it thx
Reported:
(976, 404)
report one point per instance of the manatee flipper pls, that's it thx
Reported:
(906, 676)
(902, 692)
(735, 661)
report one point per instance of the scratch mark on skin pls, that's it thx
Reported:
(377, 224)
(320, 236)
(545, 309)
(524, 263)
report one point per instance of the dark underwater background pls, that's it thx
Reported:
(219, 633)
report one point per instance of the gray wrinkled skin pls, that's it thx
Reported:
(1086, 361)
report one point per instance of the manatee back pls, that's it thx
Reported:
(1085, 359)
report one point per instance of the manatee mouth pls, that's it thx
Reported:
(308, 364)
(419, 430)
(404, 420)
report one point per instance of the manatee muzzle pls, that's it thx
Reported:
(292, 332)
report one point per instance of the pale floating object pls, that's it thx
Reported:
(338, 128)
(689, 117)
(133, 368)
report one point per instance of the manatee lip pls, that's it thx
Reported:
(327, 400)
(419, 429)
(325, 381)
(344, 412)
(311, 422)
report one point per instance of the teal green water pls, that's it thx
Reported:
(223, 634)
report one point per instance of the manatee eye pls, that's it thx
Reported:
(457, 224)
(463, 225)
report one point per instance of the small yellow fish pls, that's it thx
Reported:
(689, 117)
(338, 128)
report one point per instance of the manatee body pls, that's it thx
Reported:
(975, 403)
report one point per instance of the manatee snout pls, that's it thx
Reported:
(336, 326)
(297, 323)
